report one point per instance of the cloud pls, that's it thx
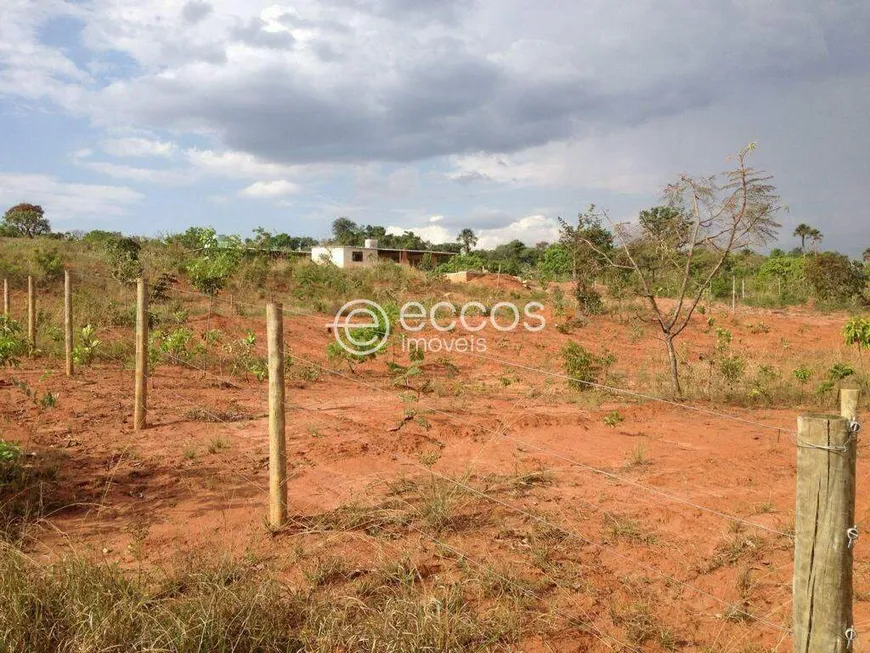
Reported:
(235, 164)
(531, 229)
(270, 189)
(488, 76)
(433, 234)
(137, 147)
(65, 201)
(194, 11)
(372, 181)
(419, 107)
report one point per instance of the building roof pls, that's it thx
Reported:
(413, 251)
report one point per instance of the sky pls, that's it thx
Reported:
(432, 115)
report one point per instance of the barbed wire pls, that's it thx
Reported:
(566, 531)
(594, 630)
(623, 391)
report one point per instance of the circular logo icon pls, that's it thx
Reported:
(361, 327)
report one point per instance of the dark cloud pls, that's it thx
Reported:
(381, 91)
(195, 11)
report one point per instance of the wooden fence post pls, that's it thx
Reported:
(68, 321)
(824, 522)
(277, 443)
(6, 297)
(733, 294)
(31, 312)
(140, 408)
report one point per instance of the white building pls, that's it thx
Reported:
(347, 256)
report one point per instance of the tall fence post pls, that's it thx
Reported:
(140, 408)
(68, 321)
(6, 297)
(31, 312)
(824, 532)
(733, 294)
(277, 443)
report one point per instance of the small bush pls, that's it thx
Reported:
(12, 343)
(48, 264)
(584, 367)
(588, 299)
(86, 349)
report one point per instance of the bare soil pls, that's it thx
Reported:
(661, 572)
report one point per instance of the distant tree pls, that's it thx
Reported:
(666, 230)
(122, 255)
(815, 237)
(404, 240)
(191, 239)
(219, 257)
(665, 224)
(25, 221)
(467, 239)
(99, 237)
(374, 231)
(803, 231)
(727, 213)
(555, 263)
(588, 245)
(834, 277)
(866, 255)
(346, 232)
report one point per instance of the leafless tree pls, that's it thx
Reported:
(715, 215)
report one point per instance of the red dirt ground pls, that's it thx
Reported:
(140, 498)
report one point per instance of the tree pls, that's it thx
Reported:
(815, 237)
(866, 255)
(555, 263)
(25, 220)
(588, 245)
(726, 213)
(219, 257)
(346, 232)
(804, 231)
(122, 255)
(833, 277)
(467, 239)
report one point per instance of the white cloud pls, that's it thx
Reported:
(598, 161)
(137, 147)
(237, 165)
(434, 233)
(64, 201)
(30, 69)
(530, 230)
(270, 189)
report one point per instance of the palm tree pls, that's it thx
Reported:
(802, 231)
(815, 237)
(467, 238)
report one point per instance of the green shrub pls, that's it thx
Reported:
(86, 348)
(588, 299)
(802, 374)
(857, 332)
(12, 343)
(48, 264)
(584, 367)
